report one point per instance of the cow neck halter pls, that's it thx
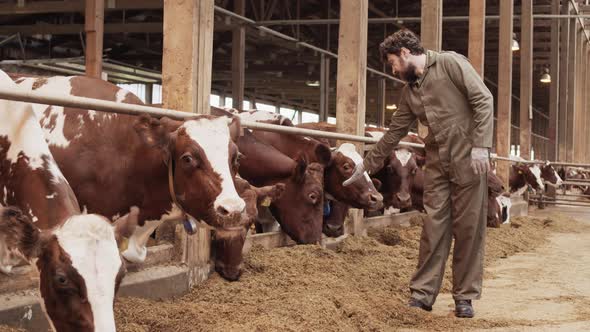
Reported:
(188, 220)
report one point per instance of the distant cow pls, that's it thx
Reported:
(339, 165)
(299, 209)
(402, 181)
(227, 244)
(76, 254)
(498, 204)
(523, 175)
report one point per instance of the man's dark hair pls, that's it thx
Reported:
(401, 38)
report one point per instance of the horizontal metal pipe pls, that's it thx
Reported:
(294, 40)
(574, 195)
(554, 163)
(561, 199)
(131, 109)
(558, 203)
(575, 183)
(402, 19)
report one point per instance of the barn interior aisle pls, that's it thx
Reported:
(548, 287)
(306, 165)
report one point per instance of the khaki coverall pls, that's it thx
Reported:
(453, 102)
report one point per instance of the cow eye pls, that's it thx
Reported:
(61, 279)
(313, 197)
(187, 158)
(347, 167)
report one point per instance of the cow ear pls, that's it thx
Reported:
(170, 125)
(19, 235)
(299, 170)
(152, 131)
(323, 154)
(125, 226)
(376, 183)
(235, 128)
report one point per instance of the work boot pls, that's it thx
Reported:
(417, 304)
(464, 309)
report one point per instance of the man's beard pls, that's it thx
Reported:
(409, 75)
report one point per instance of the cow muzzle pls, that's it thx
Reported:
(405, 199)
(229, 211)
(375, 201)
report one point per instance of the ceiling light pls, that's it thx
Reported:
(515, 46)
(391, 107)
(545, 78)
(312, 83)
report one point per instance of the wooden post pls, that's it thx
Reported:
(504, 88)
(381, 101)
(94, 28)
(571, 99)
(149, 93)
(186, 80)
(477, 25)
(324, 87)
(583, 139)
(238, 64)
(587, 96)
(430, 35)
(526, 77)
(554, 88)
(564, 43)
(352, 75)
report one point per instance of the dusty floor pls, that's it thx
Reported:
(537, 272)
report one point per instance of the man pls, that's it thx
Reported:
(447, 95)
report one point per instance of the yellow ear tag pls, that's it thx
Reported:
(519, 172)
(123, 244)
(266, 202)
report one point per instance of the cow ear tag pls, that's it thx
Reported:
(519, 172)
(266, 202)
(123, 244)
(190, 225)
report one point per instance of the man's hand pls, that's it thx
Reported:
(359, 172)
(480, 160)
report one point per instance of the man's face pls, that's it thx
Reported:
(402, 67)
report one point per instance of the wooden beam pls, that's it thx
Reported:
(94, 26)
(583, 139)
(554, 88)
(324, 87)
(571, 98)
(68, 6)
(477, 25)
(564, 42)
(74, 29)
(381, 101)
(186, 85)
(352, 78)
(504, 88)
(526, 77)
(587, 96)
(579, 130)
(430, 35)
(352, 64)
(238, 58)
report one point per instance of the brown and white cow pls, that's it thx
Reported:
(115, 161)
(299, 209)
(76, 254)
(522, 175)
